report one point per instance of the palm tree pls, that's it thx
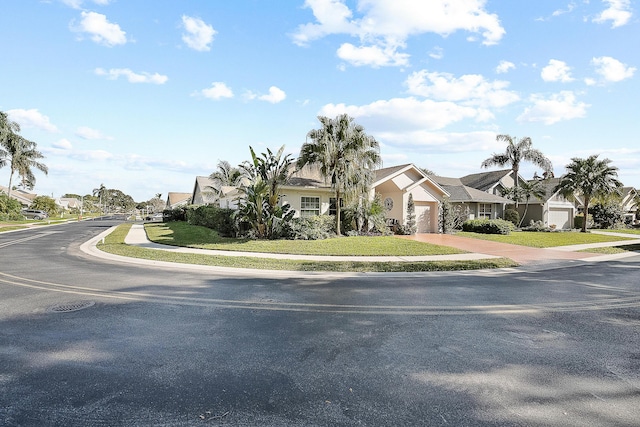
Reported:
(225, 176)
(590, 178)
(529, 189)
(345, 155)
(515, 153)
(22, 156)
(101, 192)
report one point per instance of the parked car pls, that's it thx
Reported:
(34, 214)
(155, 217)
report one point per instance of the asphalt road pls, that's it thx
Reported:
(172, 347)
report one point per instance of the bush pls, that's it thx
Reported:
(607, 215)
(218, 219)
(488, 226)
(512, 216)
(9, 209)
(175, 214)
(535, 226)
(317, 227)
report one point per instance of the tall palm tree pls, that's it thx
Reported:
(590, 177)
(515, 153)
(345, 155)
(22, 156)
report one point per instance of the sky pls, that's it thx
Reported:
(143, 96)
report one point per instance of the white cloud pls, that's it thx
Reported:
(274, 96)
(218, 90)
(611, 69)
(77, 4)
(100, 29)
(132, 77)
(406, 113)
(618, 12)
(556, 71)
(88, 133)
(198, 35)
(32, 118)
(437, 53)
(504, 67)
(440, 141)
(63, 144)
(558, 107)
(469, 89)
(374, 56)
(385, 25)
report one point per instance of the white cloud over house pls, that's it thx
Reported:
(197, 35)
(553, 109)
(85, 132)
(384, 26)
(99, 29)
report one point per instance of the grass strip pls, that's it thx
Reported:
(114, 243)
(612, 250)
(186, 235)
(544, 239)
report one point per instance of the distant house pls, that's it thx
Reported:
(478, 203)
(24, 197)
(68, 203)
(629, 198)
(554, 210)
(203, 192)
(175, 200)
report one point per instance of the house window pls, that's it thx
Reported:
(484, 210)
(332, 206)
(309, 206)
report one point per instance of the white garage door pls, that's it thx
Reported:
(560, 217)
(424, 219)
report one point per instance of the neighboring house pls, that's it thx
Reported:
(68, 203)
(25, 198)
(554, 210)
(478, 203)
(492, 182)
(395, 184)
(203, 193)
(175, 200)
(629, 197)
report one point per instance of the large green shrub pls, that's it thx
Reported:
(607, 215)
(9, 209)
(175, 214)
(488, 226)
(512, 216)
(317, 227)
(213, 217)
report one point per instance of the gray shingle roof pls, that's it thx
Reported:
(461, 193)
(484, 180)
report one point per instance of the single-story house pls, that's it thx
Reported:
(175, 200)
(203, 193)
(554, 210)
(395, 184)
(24, 197)
(477, 203)
(493, 182)
(68, 203)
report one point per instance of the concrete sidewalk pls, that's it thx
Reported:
(478, 249)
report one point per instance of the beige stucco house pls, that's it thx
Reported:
(629, 206)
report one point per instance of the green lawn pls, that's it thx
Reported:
(114, 243)
(610, 250)
(544, 239)
(183, 234)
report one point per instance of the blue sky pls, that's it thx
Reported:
(143, 96)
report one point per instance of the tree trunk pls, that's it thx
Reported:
(338, 213)
(586, 214)
(10, 182)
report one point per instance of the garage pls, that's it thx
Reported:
(426, 217)
(561, 218)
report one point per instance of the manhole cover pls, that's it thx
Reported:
(71, 306)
